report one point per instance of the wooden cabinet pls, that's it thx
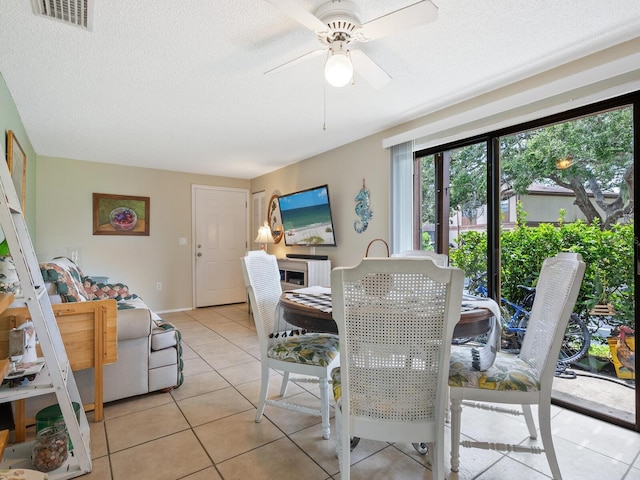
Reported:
(90, 336)
(300, 273)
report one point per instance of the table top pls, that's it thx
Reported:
(310, 308)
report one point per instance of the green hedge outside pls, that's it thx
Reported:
(608, 255)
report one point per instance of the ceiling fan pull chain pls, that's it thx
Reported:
(324, 106)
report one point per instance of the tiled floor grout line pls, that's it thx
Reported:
(300, 447)
(234, 320)
(292, 440)
(284, 434)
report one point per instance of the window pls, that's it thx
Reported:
(569, 168)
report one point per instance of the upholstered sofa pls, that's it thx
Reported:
(148, 349)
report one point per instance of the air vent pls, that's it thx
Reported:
(78, 13)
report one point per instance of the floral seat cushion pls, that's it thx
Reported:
(508, 372)
(312, 349)
(336, 384)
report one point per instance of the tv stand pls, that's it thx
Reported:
(300, 273)
(307, 256)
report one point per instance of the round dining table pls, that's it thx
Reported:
(312, 312)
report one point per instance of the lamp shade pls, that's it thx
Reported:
(338, 70)
(264, 236)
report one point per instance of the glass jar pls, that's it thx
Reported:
(50, 449)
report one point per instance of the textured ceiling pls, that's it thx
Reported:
(180, 85)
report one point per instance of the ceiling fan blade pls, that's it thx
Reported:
(414, 15)
(372, 73)
(296, 61)
(298, 13)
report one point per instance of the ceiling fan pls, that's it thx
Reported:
(337, 26)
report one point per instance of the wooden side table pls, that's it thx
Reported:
(89, 332)
(4, 434)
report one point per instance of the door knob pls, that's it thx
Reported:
(199, 254)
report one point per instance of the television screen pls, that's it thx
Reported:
(306, 218)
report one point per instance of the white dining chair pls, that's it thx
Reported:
(525, 379)
(395, 321)
(313, 355)
(439, 258)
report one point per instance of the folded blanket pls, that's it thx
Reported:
(483, 357)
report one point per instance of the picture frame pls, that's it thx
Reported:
(273, 217)
(120, 214)
(17, 162)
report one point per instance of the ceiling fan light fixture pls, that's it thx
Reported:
(338, 70)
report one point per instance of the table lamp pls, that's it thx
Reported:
(264, 236)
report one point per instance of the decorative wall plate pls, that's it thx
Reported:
(275, 221)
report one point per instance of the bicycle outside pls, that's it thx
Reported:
(515, 317)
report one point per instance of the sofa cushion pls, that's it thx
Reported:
(66, 277)
(163, 336)
(149, 349)
(162, 358)
(134, 323)
(165, 340)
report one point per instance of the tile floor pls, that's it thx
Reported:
(206, 429)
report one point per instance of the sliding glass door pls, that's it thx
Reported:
(569, 187)
(454, 211)
(500, 204)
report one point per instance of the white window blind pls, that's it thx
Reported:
(402, 197)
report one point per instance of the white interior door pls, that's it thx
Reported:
(259, 212)
(220, 240)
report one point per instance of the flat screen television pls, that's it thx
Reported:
(306, 218)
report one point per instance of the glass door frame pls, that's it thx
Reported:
(492, 139)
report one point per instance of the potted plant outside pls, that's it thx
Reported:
(623, 346)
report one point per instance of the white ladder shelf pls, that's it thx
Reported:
(56, 377)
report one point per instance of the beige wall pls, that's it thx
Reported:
(10, 120)
(546, 208)
(64, 215)
(343, 169)
(64, 219)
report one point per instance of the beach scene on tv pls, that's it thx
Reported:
(306, 218)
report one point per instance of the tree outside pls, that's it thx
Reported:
(591, 156)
